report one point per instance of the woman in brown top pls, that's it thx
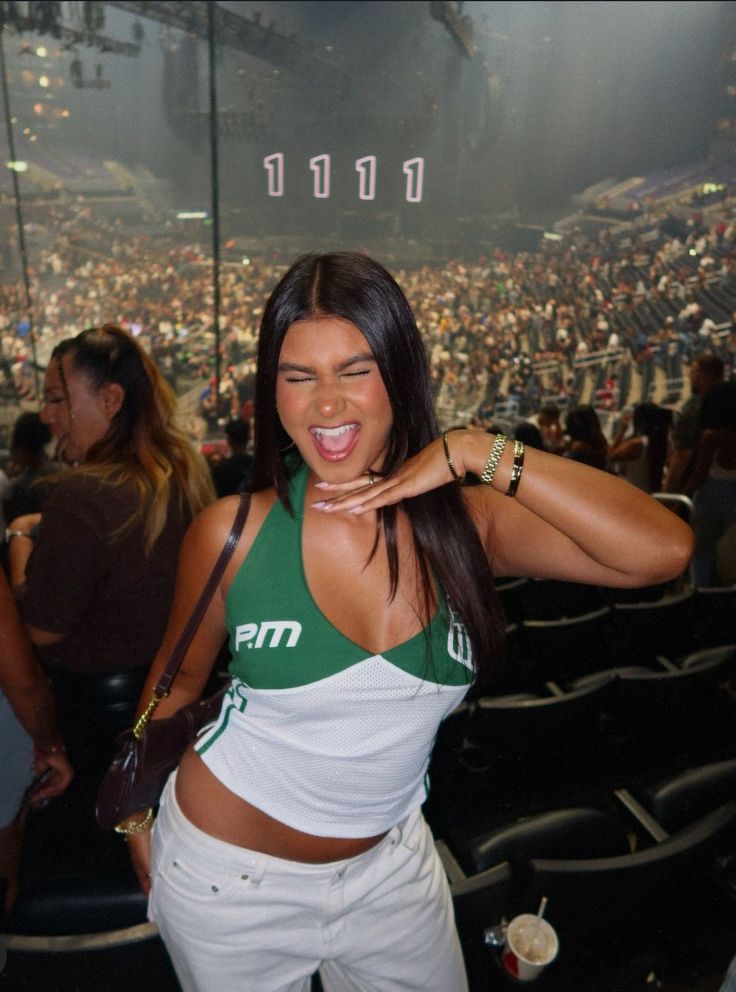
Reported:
(100, 570)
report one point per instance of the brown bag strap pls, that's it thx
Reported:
(177, 655)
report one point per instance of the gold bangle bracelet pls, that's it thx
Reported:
(493, 459)
(456, 477)
(126, 827)
(517, 468)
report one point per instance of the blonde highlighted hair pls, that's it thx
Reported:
(143, 446)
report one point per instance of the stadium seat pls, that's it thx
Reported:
(644, 631)
(570, 647)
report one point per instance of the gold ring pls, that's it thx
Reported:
(371, 478)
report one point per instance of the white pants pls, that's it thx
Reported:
(235, 920)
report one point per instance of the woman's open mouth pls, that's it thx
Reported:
(335, 443)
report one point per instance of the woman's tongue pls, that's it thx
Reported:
(336, 442)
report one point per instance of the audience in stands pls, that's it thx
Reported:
(544, 322)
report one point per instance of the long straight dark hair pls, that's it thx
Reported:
(358, 289)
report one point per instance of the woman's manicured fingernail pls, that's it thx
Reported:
(321, 485)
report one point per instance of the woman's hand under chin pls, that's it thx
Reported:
(423, 472)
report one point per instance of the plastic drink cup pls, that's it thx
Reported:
(531, 944)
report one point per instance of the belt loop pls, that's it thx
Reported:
(258, 870)
(395, 835)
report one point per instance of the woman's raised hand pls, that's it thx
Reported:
(424, 471)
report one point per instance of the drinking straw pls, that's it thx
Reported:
(529, 946)
(540, 911)
(540, 914)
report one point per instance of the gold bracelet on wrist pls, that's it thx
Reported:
(137, 826)
(517, 468)
(456, 477)
(493, 459)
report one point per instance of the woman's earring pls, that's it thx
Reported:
(287, 448)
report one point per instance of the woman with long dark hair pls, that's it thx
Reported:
(640, 457)
(100, 569)
(360, 606)
(712, 482)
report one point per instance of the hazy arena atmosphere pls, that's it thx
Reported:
(200, 187)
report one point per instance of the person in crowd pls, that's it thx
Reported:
(99, 576)
(640, 457)
(548, 419)
(30, 466)
(706, 371)
(360, 605)
(231, 474)
(586, 442)
(529, 434)
(712, 482)
(30, 743)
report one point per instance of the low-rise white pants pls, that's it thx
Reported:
(235, 920)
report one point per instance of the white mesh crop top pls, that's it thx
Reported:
(314, 730)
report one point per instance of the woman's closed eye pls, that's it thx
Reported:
(354, 373)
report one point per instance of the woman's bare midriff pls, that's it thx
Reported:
(217, 811)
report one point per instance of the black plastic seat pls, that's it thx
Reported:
(578, 832)
(644, 631)
(605, 909)
(717, 663)
(686, 796)
(80, 902)
(714, 616)
(76, 878)
(569, 647)
(511, 594)
(537, 739)
(657, 720)
(649, 702)
(519, 671)
(553, 599)
(480, 902)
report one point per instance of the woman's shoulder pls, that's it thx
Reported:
(211, 527)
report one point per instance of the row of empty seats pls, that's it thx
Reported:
(622, 880)
(540, 649)
(599, 772)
